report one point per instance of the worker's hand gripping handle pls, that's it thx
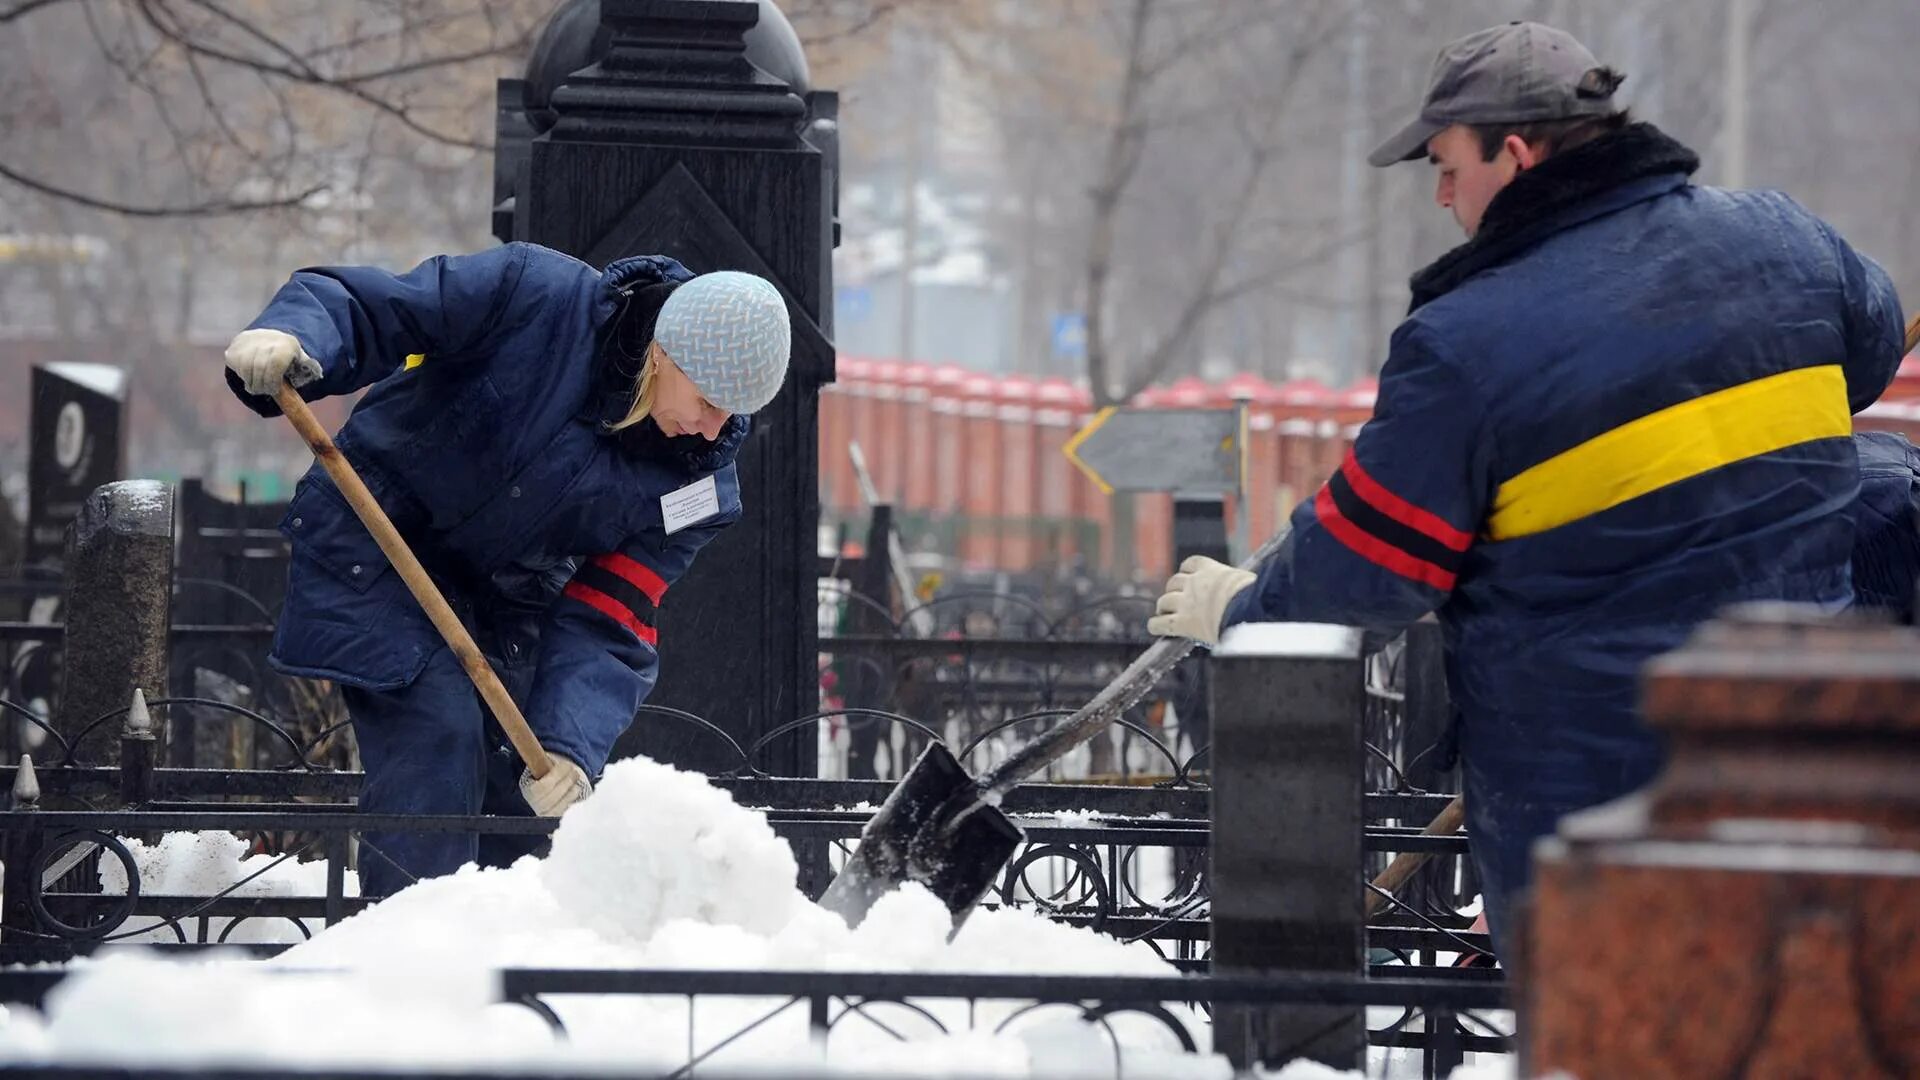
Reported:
(415, 575)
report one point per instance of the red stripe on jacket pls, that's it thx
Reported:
(1401, 510)
(612, 609)
(1375, 550)
(636, 575)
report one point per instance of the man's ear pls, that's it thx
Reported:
(1524, 155)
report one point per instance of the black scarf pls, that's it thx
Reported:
(1528, 210)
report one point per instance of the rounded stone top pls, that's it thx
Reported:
(775, 48)
(573, 39)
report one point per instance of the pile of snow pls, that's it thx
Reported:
(658, 870)
(703, 858)
(209, 864)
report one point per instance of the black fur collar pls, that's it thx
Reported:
(645, 439)
(621, 351)
(1532, 207)
(617, 369)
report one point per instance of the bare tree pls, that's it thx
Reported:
(252, 94)
(1146, 137)
(1255, 115)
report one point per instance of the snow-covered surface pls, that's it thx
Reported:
(658, 870)
(207, 864)
(99, 378)
(1302, 640)
(139, 498)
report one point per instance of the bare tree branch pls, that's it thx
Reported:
(1228, 234)
(25, 7)
(1206, 294)
(1124, 144)
(303, 74)
(1211, 35)
(210, 208)
(306, 72)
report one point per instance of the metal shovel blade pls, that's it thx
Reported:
(930, 830)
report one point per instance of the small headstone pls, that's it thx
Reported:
(119, 601)
(77, 445)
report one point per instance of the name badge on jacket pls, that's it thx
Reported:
(690, 505)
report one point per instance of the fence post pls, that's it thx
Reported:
(1429, 744)
(138, 749)
(22, 841)
(1287, 830)
(866, 683)
(119, 601)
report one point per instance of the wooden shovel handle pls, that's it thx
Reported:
(1446, 823)
(415, 575)
(1913, 336)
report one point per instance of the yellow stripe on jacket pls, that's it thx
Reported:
(1674, 444)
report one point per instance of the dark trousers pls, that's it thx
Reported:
(432, 748)
(1505, 816)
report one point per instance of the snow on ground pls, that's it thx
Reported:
(658, 870)
(203, 864)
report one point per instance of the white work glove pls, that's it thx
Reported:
(261, 358)
(1196, 600)
(564, 785)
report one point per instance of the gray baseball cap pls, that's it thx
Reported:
(1520, 73)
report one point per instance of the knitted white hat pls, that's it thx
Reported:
(728, 331)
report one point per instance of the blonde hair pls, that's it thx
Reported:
(643, 389)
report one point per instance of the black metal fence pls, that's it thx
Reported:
(1127, 860)
(1117, 836)
(908, 1005)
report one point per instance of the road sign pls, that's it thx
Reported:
(853, 303)
(1187, 451)
(1069, 335)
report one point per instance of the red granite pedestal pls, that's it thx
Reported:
(1756, 911)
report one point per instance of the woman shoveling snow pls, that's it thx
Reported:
(555, 444)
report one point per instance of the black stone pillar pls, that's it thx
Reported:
(1287, 829)
(119, 601)
(1199, 528)
(677, 142)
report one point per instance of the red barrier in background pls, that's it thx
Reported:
(981, 454)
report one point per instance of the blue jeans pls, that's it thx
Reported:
(432, 748)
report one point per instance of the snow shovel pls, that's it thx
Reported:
(945, 829)
(423, 589)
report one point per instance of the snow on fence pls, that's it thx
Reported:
(260, 857)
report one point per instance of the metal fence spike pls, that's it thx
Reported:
(139, 720)
(26, 785)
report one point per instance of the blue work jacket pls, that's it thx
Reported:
(483, 434)
(1625, 405)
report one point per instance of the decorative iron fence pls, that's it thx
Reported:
(1445, 1019)
(1117, 836)
(1125, 860)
